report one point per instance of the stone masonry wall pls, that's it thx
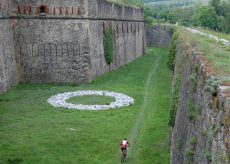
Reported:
(52, 50)
(7, 56)
(128, 35)
(62, 41)
(202, 129)
(159, 36)
(128, 39)
(108, 10)
(53, 8)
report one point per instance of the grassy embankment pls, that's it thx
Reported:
(32, 131)
(168, 2)
(218, 34)
(217, 54)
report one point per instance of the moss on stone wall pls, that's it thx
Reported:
(108, 45)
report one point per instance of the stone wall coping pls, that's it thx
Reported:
(77, 18)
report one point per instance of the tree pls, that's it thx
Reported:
(206, 16)
(148, 20)
(221, 7)
(215, 4)
(135, 3)
(227, 23)
(186, 16)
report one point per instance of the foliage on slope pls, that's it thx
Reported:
(216, 54)
(132, 3)
(198, 58)
(217, 59)
(215, 16)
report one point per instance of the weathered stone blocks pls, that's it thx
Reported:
(202, 130)
(63, 46)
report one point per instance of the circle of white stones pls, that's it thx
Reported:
(121, 100)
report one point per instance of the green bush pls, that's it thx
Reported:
(206, 16)
(212, 85)
(148, 21)
(193, 110)
(175, 99)
(108, 45)
(172, 51)
(189, 154)
(193, 141)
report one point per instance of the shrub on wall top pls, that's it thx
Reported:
(172, 51)
(108, 45)
(175, 99)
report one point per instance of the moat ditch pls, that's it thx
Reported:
(33, 131)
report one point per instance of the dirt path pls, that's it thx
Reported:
(134, 132)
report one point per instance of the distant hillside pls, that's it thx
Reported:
(168, 2)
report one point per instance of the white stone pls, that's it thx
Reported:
(224, 87)
(121, 100)
(221, 40)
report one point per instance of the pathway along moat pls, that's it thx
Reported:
(150, 133)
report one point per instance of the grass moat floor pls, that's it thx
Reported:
(32, 131)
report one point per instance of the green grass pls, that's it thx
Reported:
(32, 131)
(91, 100)
(218, 34)
(217, 54)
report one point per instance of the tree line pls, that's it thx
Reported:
(215, 16)
(134, 3)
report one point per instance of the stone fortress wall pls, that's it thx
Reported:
(7, 55)
(202, 128)
(128, 35)
(65, 45)
(159, 36)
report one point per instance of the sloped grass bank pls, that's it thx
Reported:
(216, 55)
(218, 34)
(32, 131)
